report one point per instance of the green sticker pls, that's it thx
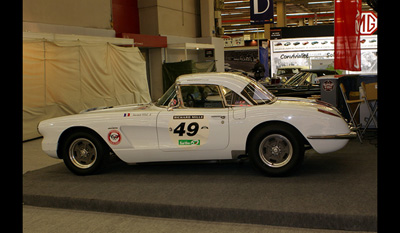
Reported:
(189, 142)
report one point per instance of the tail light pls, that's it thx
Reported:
(327, 112)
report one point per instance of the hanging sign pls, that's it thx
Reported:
(347, 35)
(369, 23)
(276, 33)
(261, 11)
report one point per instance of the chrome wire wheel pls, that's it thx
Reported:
(275, 150)
(82, 153)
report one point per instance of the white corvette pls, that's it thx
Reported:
(207, 116)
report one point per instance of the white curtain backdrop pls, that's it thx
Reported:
(62, 78)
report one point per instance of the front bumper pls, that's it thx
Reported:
(350, 135)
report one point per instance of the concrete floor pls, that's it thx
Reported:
(39, 219)
(34, 158)
(51, 220)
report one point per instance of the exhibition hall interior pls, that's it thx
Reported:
(199, 116)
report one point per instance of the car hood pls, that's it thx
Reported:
(298, 99)
(100, 114)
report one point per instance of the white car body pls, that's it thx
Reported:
(147, 132)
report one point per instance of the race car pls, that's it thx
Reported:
(202, 116)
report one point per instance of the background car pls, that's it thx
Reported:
(284, 73)
(303, 84)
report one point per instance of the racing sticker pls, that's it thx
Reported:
(328, 85)
(114, 137)
(189, 131)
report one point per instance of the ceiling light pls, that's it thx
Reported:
(326, 12)
(322, 2)
(234, 2)
(249, 29)
(293, 14)
(232, 14)
(238, 32)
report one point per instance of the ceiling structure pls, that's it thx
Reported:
(235, 15)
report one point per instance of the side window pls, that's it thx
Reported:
(233, 99)
(201, 96)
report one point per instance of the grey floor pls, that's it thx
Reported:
(39, 219)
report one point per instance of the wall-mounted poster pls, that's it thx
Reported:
(318, 53)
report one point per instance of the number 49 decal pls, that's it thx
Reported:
(192, 129)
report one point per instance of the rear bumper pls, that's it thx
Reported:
(335, 136)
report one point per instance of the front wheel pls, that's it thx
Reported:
(83, 153)
(276, 150)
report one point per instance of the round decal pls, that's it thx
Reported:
(328, 85)
(189, 131)
(114, 137)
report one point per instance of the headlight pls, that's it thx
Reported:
(37, 128)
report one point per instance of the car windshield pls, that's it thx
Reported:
(257, 94)
(299, 79)
(167, 97)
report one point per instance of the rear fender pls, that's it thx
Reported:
(275, 123)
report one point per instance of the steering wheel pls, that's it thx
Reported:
(189, 100)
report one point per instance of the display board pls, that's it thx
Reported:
(241, 59)
(62, 78)
(318, 53)
(234, 41)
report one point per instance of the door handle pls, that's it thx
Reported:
(222, 117)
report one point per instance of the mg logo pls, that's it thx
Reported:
(369, 23)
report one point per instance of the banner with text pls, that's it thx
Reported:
(347, 35)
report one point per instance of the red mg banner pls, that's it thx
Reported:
(347, 35)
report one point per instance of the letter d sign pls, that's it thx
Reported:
(257, 10)
(261, 11)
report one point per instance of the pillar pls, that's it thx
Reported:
(267, 31)
(207, 18)
(281, 13)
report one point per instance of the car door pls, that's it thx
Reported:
(200, 123)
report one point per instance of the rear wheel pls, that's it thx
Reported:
(83, 153)
(276, 150)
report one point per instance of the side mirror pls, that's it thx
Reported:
(175, 102)
(172, 104)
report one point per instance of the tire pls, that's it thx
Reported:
(83, 153)
(276, 150)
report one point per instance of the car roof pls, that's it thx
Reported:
(232, 81)
(346, 75)
(293, 67)
(320, 72)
